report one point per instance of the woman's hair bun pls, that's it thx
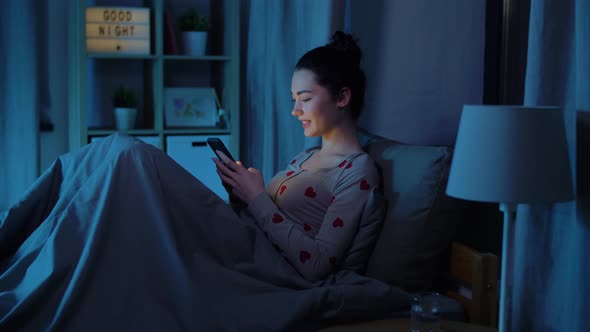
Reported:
(345, 42)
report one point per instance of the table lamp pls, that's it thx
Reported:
(510, 155)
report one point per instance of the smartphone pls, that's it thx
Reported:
(217, 145)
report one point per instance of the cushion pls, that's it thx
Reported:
(420, 220)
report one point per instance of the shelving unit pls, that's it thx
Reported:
(149, 73)
(94, 76)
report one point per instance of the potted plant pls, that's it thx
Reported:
(125, 103)
(194, 29)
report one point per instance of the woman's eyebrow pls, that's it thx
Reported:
(303, 91)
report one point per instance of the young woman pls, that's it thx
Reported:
(117, 236)
(312, 210)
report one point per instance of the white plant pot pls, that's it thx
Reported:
(194, 42)
(125, 117)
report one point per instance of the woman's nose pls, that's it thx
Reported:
(296, 110)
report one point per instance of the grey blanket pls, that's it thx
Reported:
(119, 237)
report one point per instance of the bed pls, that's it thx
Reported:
(75, 256)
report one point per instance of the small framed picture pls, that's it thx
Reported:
(190, 107)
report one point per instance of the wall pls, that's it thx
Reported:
(424, 60)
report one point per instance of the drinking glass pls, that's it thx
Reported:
(425, 312)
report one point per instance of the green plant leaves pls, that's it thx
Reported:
(124, 97)
(192, 21)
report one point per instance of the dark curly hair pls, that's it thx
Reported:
(337, 65)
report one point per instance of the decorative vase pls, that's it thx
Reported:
(125, 117)
(194, 42)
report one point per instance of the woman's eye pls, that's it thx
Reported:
(304, 100)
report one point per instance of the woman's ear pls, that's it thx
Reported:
(343, 97)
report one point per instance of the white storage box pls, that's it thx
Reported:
(193, 153)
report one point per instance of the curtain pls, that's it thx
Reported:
(551, 273)
(279, 33)
(19, 97)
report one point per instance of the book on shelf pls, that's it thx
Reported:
(170, 42)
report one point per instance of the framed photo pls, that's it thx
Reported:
(190, 107)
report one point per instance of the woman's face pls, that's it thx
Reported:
(314, 105)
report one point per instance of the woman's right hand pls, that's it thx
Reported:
(228, 188)
(246, 183)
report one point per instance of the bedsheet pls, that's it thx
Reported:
(117, 236)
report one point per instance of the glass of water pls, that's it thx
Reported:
(425, 312)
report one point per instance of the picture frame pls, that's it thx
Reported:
(190, 107)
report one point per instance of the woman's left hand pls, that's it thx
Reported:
(246, 183)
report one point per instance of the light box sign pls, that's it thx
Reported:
(118, 30)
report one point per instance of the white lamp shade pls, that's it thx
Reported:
(511, 154)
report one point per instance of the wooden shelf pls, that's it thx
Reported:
(91, 83)
(106, 132)
(197, 58)
(115, 56)
(176, 131)
(196, 131)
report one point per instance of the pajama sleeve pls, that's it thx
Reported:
(317, 256)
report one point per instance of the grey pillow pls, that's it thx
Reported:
(421, 219)
(367, 233)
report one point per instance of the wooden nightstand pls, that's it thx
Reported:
(403, 325)
(480, 271)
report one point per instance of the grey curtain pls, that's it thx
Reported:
(19, 96)
(279, 33)
(552, 274)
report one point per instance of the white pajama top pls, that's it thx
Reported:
(312, 216)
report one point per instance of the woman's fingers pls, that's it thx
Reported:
(220, 165)
(222, 156)
(223, 168)
(228, 162)
(234, 187)
(245, 183)
(224, 178)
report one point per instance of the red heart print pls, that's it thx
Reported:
(342, 164)
(365, 185)
(304, 256)
(333, 260)
(289, 173)
(293, 161)
(332, 200)
(310, 193)
(349, 166)
(282, 190)
(306, 227)
(338, 223)
(277, 219)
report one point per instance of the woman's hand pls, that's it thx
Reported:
(246, 183)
